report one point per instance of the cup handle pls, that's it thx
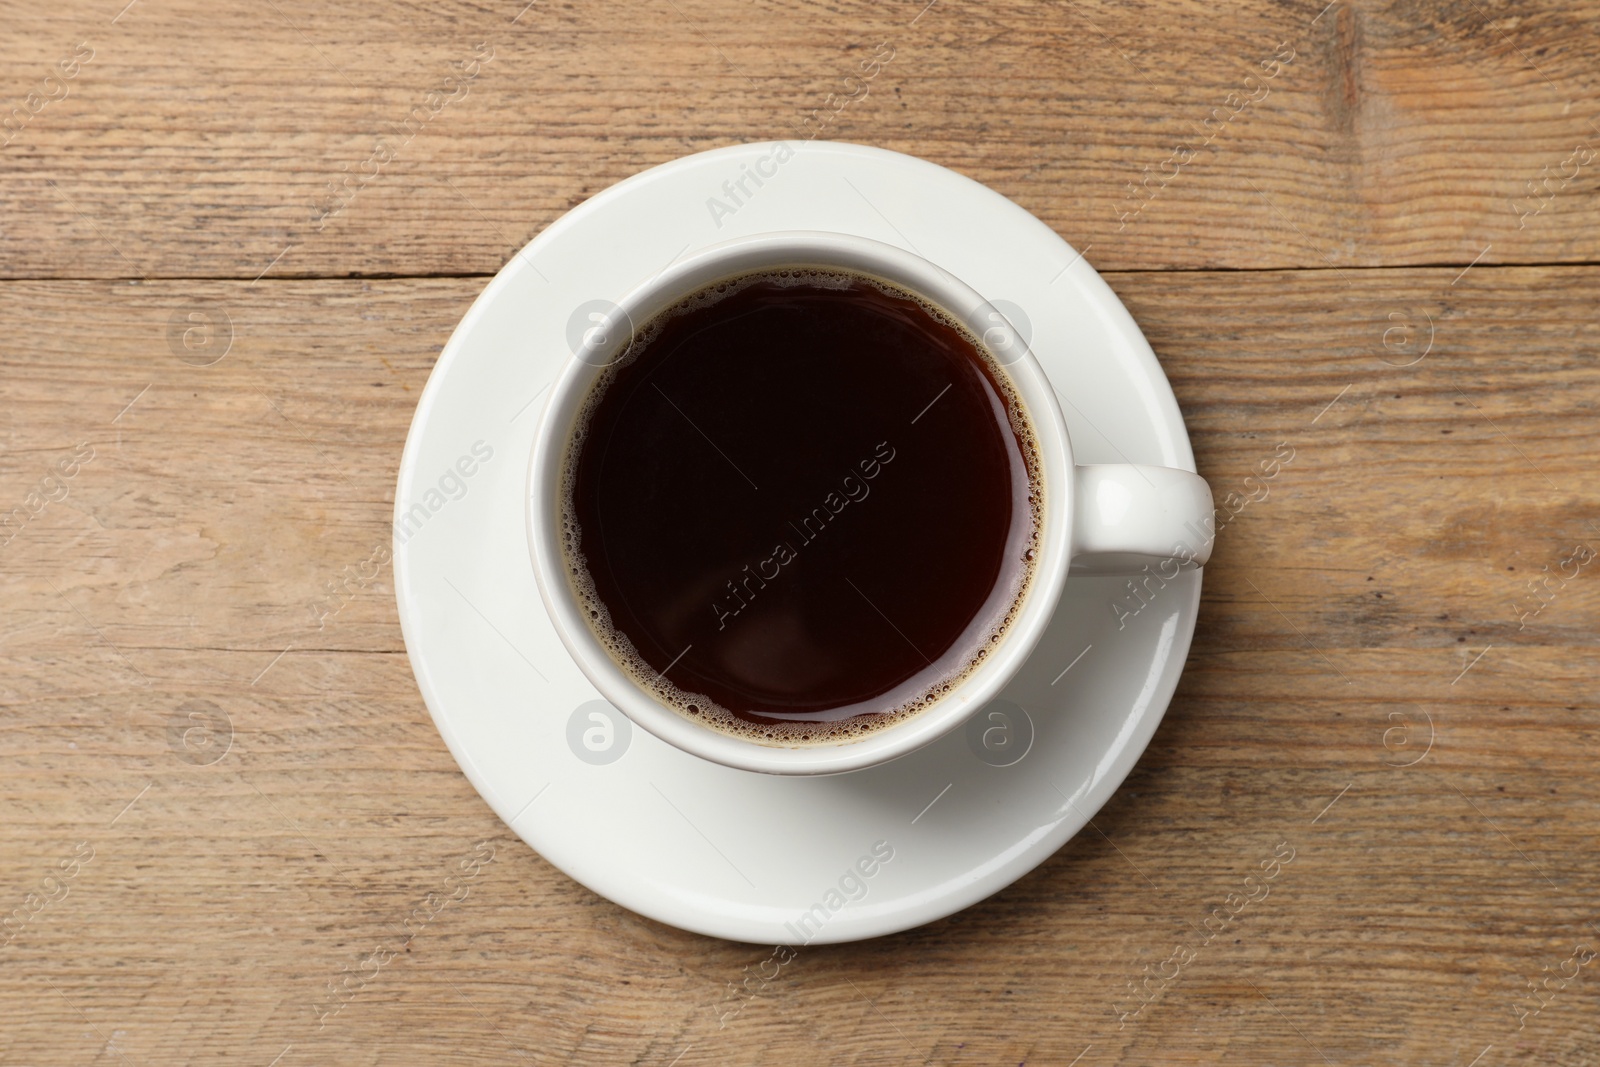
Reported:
(1128, 516)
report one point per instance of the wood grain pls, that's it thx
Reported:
(1390, 134)
(1342, 606)
(1373, 684)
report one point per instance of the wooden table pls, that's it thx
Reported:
(1368, 230)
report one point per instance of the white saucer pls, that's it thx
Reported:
(751, 857)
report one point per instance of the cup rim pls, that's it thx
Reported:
(571, 387)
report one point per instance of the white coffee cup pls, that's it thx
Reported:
(1098, 519)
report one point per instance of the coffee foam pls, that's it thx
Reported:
(698, 708)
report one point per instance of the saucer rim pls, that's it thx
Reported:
(1165, 429)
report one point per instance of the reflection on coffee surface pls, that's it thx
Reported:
(802, 506)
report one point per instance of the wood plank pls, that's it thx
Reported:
(1389, 134)
(1342, 625)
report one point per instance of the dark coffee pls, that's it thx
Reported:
(802, 506)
